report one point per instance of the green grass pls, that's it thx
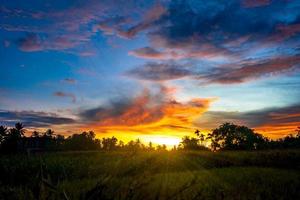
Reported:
(152, 175)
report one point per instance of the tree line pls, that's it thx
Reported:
(227, 136)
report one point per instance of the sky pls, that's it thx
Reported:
(155, 70)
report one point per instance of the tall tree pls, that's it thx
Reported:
(233, 137)
(19, 129)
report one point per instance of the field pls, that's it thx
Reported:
(151, 175)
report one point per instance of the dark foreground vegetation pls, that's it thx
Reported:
(239, 164)
(226, 137)
(152, 175)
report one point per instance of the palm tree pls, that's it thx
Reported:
(197, 132)
(201, 136)
(20, 129)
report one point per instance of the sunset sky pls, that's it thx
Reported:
(155, 70)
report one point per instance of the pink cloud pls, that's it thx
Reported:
(255, 3)
(250, 71)
(204, 51)
(149, 18)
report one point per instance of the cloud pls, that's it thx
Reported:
(57, 30)
(110, 26)
(33, 42)
(33, 119)
(231, 36)
(249, 71)
(149, 20)
(204, 51)
(284, 32)
(68, 95)
(232, 73)
(160, 71)
(149, 53)
(219, 30)
(30, 43)
(69, 80)
(273, 122)
(182, 25)
(6, 43)
(126, 112)
(195, 22)
(87, 53)
(60, 28)
(145, 113)
(255, 3)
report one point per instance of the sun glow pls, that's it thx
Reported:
(169, 141)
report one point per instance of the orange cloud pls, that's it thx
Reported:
(278, 130)
(148, 114)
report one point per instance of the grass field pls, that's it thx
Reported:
(152, 175)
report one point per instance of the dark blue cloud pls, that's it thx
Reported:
(33, 119)
(217, 22)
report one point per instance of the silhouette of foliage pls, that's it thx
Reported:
(109, 143)
(3, 133)
(191, 143)
(234, 137)
(83, 141)
(227, 136)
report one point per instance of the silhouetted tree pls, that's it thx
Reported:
(191, 143)
(3, 133)
(174, 148)
(135, 145)
(200, 136)
(289, 141)
(161, 147)
(35, 134)
(20, 129)
(109, 143)
(121, 144)
(49, 133)
(150, 147)
(83, 141)
(12, 142)
(228, 136)
(233, 137)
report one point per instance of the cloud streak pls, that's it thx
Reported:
(33, 119)
(233, 73)
(69, 80)
(244, 72)
(65, 95)
(160, 71)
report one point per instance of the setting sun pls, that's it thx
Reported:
(169, 141)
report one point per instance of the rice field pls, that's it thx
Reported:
(151, 175)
